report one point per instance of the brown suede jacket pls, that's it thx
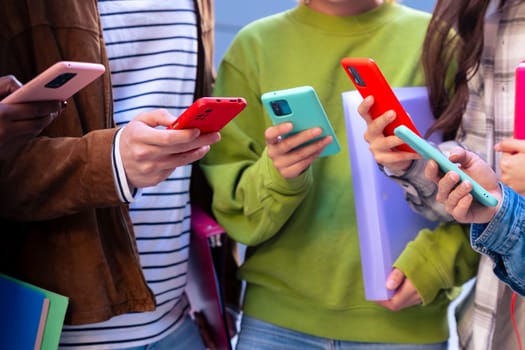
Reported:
(63, 226)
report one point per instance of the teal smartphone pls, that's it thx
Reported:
(300, 106)
(430, 152)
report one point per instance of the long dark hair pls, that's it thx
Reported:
(454, 40)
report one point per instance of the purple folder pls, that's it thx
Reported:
(385, 221)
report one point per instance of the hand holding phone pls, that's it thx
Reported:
(301, 107)
(429, 152)
(369, 80)
(210, 114)
(57, 83)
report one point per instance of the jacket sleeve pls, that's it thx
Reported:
(419, 191)
(439, 260)
(55, 176)
(503, 240)
(250, 197)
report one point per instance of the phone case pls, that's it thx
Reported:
(210, 114)
(519, 105)
(429, 152)
(57, 83)
(300, 106)
(369, 80)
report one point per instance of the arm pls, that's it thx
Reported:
(438, 260)
(251, 199)
(21, 122)
(405, 168)
(434, 263)
(503, 240)
(498, 232)
(52, 177)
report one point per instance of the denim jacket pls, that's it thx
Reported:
(503, 240)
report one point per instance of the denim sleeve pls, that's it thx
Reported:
(503, 240)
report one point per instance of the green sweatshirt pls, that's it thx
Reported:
(303, 266)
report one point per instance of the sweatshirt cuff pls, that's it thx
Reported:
(411, 263)
(275, 180)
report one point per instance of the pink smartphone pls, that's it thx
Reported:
(519, 103)
(210, 114)
(57, 83)
(369, 80)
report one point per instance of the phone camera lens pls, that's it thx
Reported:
(357, 77)
(60, 80)
(281, 107)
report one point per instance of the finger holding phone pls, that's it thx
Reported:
(288, 157)
(21, 122)
(511, 163)
(380, 103)
(302, 131)
(150, 154)
(384, 148)
(456, 196)
(25, 110)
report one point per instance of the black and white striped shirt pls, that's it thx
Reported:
(152, 48)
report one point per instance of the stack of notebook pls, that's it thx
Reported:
(30, 317)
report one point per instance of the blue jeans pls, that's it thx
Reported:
(185, 337)
(259, 335)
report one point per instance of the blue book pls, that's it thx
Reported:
(56, 314)
(385, 221)
(23, 313)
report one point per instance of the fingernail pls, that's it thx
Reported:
(390, 284)
(390, 115)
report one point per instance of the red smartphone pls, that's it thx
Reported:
(519, 104)
(57, 83)
(369, 80)
(210, 114)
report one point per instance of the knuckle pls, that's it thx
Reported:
(147, 168)
(272, 153)
(141, 155)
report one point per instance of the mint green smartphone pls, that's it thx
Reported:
(301, 107)
(426, 150)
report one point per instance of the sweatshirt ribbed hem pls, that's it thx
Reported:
(365, 323)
